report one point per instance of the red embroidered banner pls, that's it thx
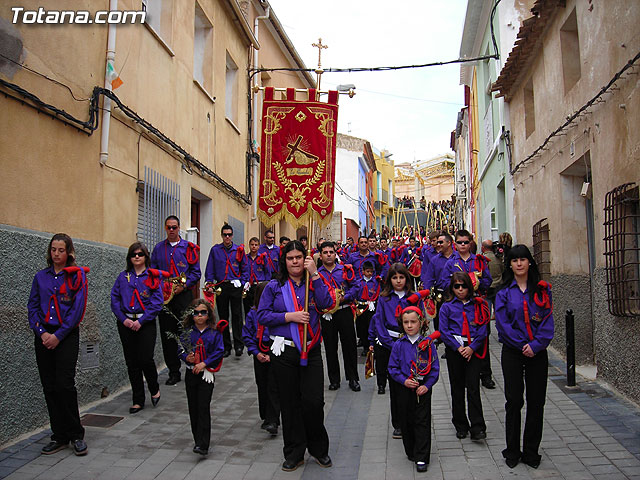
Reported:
(297, 169)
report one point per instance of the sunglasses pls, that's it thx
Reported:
(197, 313)
(463, 242)
(456, 286)
(172, 227)
(227, 234)
(440, 242)
(270, 238)
(137, 255)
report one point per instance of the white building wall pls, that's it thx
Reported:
(346, 180)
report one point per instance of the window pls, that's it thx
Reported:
(231, 90)
(529, 109)
(541, 248)
(570, 47)
(158, 197)
(493, 223)
(159, 19)
(202, 50)
(622, 250)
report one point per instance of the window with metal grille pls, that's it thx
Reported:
(621, 250)
(542, 248)
(158, 197)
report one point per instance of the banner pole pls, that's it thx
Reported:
(306, 286)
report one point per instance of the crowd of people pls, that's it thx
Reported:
(398, 298)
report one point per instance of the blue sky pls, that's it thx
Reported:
(410, 113)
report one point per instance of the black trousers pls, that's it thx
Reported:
(382, 373)
(301, 396)
(231, 296)
(463, 376)
(199, 395)
(138, 348)
(340, 325)
(519, 371)
(485, 363)
(247, 301)
(362, 327)
(57, 369)
(415, 422)
(169, 323)
(268, 404)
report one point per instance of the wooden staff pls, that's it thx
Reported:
(306, 286)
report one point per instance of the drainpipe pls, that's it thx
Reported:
(106, 113)
(256, 82)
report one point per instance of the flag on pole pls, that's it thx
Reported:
(297, 168)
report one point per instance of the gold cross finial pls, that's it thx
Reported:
(319, 46)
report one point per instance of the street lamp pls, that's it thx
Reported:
(349, 88)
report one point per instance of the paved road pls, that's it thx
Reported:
(588, 433)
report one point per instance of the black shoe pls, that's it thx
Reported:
(381, 390)
(397, 433)
(511, 462)
(227, 353)
(488, 383)
(460, 434)
(324, 462)
(136, 409)
(272, 428)
(264, 425)
(155, 400)
(173, 379)
(354, 385)
(535, 463)
(53, 447)
(238, 352)
(291, 465)
(444, 355)
(479, 436)
(200, 450)
(334, 386)
(421, 467)
(80, 447)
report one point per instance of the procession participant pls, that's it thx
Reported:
(256, 338)
(338, 322)
(304, 241)
(136, 300)
(373, 243)
(56, 307)
(429, 250)
(225, 265)
(496, 267)
(463, 260)
(282, 241)
(434, 271)
(384, 331)
(384, 249)
(414, 365)
(365, 293)
(524, 320)
(463, 326)
(206, 338)
(300, 387)
(272, 253)
(255, 270)
(363, 254)
(412, 260)
(182, 260)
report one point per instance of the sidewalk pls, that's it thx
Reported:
(588, 433)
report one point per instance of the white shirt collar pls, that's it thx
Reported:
(413, 338)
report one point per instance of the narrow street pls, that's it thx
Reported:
(588, 433)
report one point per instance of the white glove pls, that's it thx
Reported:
(372, 307)
(277, 347)
(247, 286)
(236, 283)
(327, 317)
